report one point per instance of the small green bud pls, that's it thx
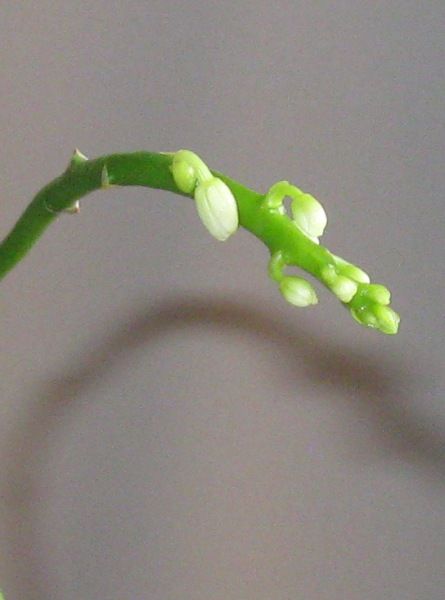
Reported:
(379, 317)
(309, 215)
(184, 175)
(387, 318)
(217, 208)
(188, 170)
(344, 288)
(379, 293)
(365, 316)
(298, 291)
(355, 273)
(329, 274)
(351, 271)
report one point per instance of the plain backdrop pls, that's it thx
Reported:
(170, 428)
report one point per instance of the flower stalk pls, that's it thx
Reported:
(222, 204)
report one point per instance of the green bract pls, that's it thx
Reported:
(222, 204)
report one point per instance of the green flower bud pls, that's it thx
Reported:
(344, 288)
(355, 273)
(379, 293)
(184, 175)
(379, 317)
(309, 215)
(188, 170)
(351, 271)
(217, 208)
(365, 316)
(388, 319)
(329, 274)
(298, 291)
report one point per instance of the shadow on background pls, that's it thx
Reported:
(376, 389)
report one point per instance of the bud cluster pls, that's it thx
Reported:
(367, 302)
(307, 212)
(215, 202)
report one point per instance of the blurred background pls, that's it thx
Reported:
(169, 426)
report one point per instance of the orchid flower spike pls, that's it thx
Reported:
(221, 203)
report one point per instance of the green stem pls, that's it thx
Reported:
(153, 170)
(150, 170)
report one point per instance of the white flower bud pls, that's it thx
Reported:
(298, 291)
(217, 208)
(309, 215)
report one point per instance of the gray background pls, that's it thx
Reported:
(169, 427)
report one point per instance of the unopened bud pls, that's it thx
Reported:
(344, 288)
(217, 208)
(379, 293)
(355, 273)
(309, 215)
(184, 175)
(298, 291)
(379, 317)
(388, 319)
(365, 316)
(350, 270)
(188, 170)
